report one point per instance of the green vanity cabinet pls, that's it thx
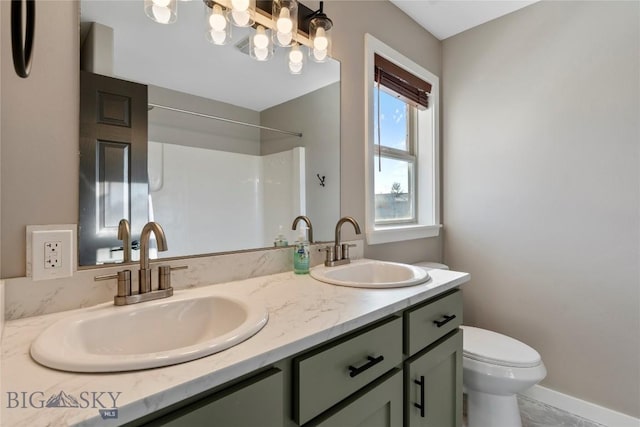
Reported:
(327, 375)
(257, 401)
(402, 370)
(377, 405)
(433, 385)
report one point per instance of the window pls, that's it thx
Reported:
(402, 151)
(394, 160)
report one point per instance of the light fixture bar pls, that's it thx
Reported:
(223, 119)
(263, 17)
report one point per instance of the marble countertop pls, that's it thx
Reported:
(302, 313)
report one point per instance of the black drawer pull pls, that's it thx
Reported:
(420, 405)
(446, 319)
(353, 371)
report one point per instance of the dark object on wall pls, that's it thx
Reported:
(22, 37)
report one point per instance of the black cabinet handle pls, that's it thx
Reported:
(22, 48)
(353, 371)
(420, 405)
(446, 319)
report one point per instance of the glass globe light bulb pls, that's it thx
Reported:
(295, 67)
(320, 42)
(217, 20)
(218, 37)
(161, 14)
(284, 39)
(284, 23)
(319, 54)
(161, 3)
(239, 5)
(295, 56)
(241, 17)
(261, 53)
(260, 39)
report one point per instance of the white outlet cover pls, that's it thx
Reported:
(37, 237)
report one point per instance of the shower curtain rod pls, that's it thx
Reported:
(222, 119)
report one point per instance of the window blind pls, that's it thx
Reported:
(402, 83)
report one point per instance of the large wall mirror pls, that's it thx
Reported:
(219, 186)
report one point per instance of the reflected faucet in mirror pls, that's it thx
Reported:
(338, 254)
(306, 221)
(124, 234)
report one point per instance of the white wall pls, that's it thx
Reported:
(541, 188)
(192, 203)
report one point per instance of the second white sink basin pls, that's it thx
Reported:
(147, 335)
(366, 273)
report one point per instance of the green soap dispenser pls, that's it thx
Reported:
(301, 253)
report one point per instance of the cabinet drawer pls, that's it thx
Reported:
(257, 401)
(427, 323)
(325, 376)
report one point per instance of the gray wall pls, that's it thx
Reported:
(316, 115)
(352, 19)
(39, 127)
(541, 188)
(182, 129)
(40, 121)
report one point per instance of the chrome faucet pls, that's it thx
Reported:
(307, 221)
(338, 254)
(145, 272)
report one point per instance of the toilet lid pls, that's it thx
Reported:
(497, 349)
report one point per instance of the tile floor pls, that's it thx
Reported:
(538, 414)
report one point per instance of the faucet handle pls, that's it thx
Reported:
(330, 250)
(164, 275)
(124, 282)
(345, 249)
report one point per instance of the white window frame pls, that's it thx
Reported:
(427, 203)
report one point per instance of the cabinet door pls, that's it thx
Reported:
(433, 385)
(255, 402)
(377, 405)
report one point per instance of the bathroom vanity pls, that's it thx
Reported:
(329, 356)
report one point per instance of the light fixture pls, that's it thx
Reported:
(320, 35)
(260, 45)
(161, 11)
(218, 28)
(296, 59)
(285, 23)
(242, 12)
(284, 14)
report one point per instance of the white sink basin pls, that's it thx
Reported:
(368, 273)
(147, 335)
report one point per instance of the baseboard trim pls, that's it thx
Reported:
(581, 408)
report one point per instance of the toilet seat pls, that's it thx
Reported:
(497, 349)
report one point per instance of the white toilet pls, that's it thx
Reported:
(495, 368)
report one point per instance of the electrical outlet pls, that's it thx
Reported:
(52, 255)
(51, 252)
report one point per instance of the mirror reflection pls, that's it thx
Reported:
(218, 186)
